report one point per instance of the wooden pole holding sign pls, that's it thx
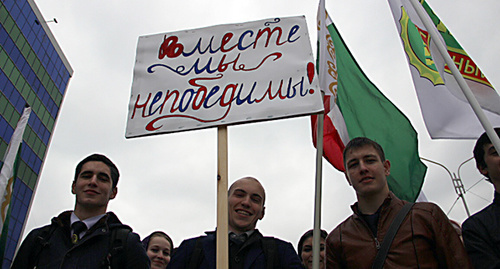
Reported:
(222, 211)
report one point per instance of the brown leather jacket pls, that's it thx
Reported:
(425, 239)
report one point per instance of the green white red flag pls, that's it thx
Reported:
(446, 111)
(355, 107)
(8, 172)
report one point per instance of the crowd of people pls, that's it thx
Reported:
(382, 232)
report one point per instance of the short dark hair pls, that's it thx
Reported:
(360, 142)
(115, 175)
(303, 238)
(479, 150)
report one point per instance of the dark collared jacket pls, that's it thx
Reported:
(481, 233)
(425, 239)
(91, 252)
(250, 256)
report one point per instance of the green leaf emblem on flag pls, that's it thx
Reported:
(416, 45)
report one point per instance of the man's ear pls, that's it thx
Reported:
(73, 187)
(387, 167)
(482, 169)
(263, 211)
(113, 193)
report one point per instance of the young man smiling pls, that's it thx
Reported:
(88, 236)
(425, 238)
(480, 231)
(247, 247)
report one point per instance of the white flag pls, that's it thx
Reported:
(445, 110)
(7, 172)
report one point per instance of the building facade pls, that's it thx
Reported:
(34, 72)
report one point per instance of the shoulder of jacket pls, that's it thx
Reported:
(425, 206)
(480, 217)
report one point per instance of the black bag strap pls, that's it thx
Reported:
(269, 249)
(197, 256)
(42, 241)
(117, 245)
(389, 237)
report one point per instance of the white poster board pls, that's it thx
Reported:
(222, 75)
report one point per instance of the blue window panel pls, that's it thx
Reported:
(58, 65)
(16, 187)
(55, 109)
(10, 88)
(32, 122)
(45, 45)
(3, 127)
(27, 197)
(46, 137)
(31, 158)
(17, 16)
(8, 45)
(45, 59)
(7, 91)
(46, 98)
(31, 77)
(26, 10)
(8, 134)
(25, 154)
(14, 96)
(17, 230)
(26, 70)
(16, 208)
(18, 191)
(36, 86)
(31, 17)
(3, 34)
(10, 250)
(38, 165)
(16, 57)
(14, 11)
(26, 28)
(31, 37)
(21, 21)
(20, 105)
(24, 209)
(8, 4)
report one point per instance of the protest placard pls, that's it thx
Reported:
(222, 75)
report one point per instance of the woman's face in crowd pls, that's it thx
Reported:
(307, 253)
(158, 251)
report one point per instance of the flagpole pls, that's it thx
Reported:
(319, 141)
(436, 39)
(222, 260)
(317, 192)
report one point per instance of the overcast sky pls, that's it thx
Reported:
(168, 181)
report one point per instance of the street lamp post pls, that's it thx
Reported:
(456, 180)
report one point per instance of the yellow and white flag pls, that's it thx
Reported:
(8, 172)
(445, 109)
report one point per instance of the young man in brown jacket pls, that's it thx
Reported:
(425, 238)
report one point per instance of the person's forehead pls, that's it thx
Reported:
(360, 152)
(249, 186)
(95, 166)
(159, 240)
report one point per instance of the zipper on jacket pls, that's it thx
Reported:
(377, 243)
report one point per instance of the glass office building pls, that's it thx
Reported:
(33, 71)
